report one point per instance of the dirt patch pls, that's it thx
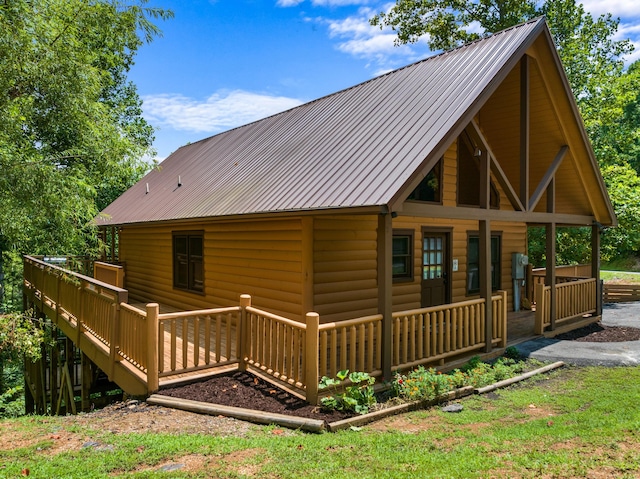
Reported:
(599, 333)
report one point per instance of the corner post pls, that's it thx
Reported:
(153, 311)
(503, 314)
(485, 281)
(243, 328)
(311, 359)
(385, 285)
(595, 266)
(540, 308)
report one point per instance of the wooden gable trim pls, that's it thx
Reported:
(591, 193)
(548, 177)
(470, 213)
(497, 170)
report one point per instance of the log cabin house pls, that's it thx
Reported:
(377, 228)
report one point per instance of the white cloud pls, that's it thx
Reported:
(322, 3)
(338, 3)
(358, 38)
(617, 8)
(221, 111)
(288, 3)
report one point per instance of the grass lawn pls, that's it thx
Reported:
(620, 277)
(575, 422)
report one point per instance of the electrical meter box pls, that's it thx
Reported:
(519, 264)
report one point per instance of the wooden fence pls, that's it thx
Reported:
(573, 299)
(617, 293)
(153, 346)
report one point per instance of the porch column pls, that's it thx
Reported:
(484, 246)
(385, 297)
(595, 266)
(550, 278)
(485, 281)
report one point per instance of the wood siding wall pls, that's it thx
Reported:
(260, 258)
(345, 267)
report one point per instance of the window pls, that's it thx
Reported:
(473, 263)
(402, 255)
(187, 261)
(429, 189)
(469, 177)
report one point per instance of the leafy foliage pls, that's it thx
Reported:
(427, 384)
(73, 136)
(357, 397)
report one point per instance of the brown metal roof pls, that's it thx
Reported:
(354, 148)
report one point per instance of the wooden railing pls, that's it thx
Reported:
(275, 346)
(564, 274)
(197, 340)
(573, 299)
(287, 352)
(436, 333)
(355, 344)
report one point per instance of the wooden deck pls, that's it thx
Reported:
(142, 346)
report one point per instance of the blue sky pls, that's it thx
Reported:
(225, 63)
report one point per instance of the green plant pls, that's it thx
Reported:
(357, 397)
(512, 353)
(422, 383)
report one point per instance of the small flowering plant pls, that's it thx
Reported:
(422, 383)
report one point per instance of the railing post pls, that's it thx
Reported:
(245, 302)
(311, 360)
(153, 310)
(540, 308)
(503, 343)
(114, 340)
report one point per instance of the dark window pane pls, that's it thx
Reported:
(180, 244)
(429, 188)
(402, 260)
(473, 264)
(188, 272)
(195, 245)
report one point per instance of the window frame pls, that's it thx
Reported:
(496, 265)
(191, 259)
(409, 257)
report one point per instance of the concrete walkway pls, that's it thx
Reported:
(578, 353)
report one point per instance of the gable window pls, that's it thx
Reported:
(402, 261)
(430, 188)
(469, 176)
(473, 263)
(187, 261)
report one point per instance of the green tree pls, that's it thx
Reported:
(450, 23)
(73, 136)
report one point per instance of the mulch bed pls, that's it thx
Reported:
(243, 389)
(598, 333)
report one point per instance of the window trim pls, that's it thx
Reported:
(190, 288)
(496, 264)
(409, 276)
